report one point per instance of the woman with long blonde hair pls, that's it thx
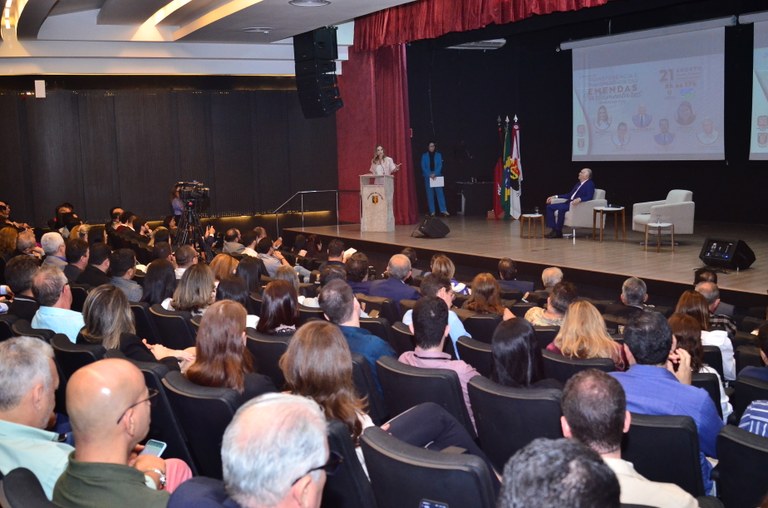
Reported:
(583, 335)
(381, 164)
(195, 292)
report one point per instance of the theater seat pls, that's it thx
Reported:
(20, 488)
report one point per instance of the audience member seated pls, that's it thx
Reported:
(28, 382)
(694, 304)
(443, 266)
(19, 272)
(760, 373)
(549, 277)
(55, 250)
(251, 269)
(109, 408)
(486, 297)
(96, 234)
(357, 273)
(717, 320)
(706, 274)
(508, 278)
(122, 266)
(335, 254)
(159, 282)
(95, 274)
(394, 286)
(327, 274)
(516, 357)
(5, 217)
(223, 265)
(755, 418)
(279, 309)
(8, 238)
(430, 328)
(76, 251)
(634, 294)
(273, 259)
(249, 244)
(163, 250)
(27, 245)
(440, 287)
(52, 292)
(561, 296)
(342, 308)
(687, 334)
(221, 358)
(658, 382)
(186, 256)
(595, 413)
(274, 453)
(195, 292)
(412, 256)
(234, 288)
(562, 473)
(318, 364)
(109, 322)
(583, 335)
(232, 242)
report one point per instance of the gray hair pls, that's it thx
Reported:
(551, 276)
(51, 242)
(399, 267)
(47, 285)
(273, 440)
(23, 363)
(709, 291)
(634, 291)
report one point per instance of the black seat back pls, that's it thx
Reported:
(20, 488)
(23, 327)
(386, 308)
(714, 358)
(742, 467)
(405, 476)
(145, 324)
(203, 414)
(6, 323)
(509, 418)
(377, 326)
(309, 313)
(545, 335)
(174, 327)
(711, 384)
(475, 353)
(562, 368)
(349, 486)
(746, 390)
(266, 351)
(406, 386)
(366, 387)
(482, 326)
(71, 357)
(79, 294)
(401, 338)
(665, 449)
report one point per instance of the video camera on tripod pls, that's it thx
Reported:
(194, 194)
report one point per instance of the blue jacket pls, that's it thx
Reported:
(425, 164)
(586, 193)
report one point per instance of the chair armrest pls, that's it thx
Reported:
(556, 201)
(645, 207)
(670, 212)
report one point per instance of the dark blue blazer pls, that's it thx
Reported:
(201, 492)
(586, 193)
(394, 290)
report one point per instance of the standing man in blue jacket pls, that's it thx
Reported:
(582, 191)
(431, 168)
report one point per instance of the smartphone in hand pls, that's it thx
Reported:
(154, 447)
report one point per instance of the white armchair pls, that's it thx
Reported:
(678, 209)
(580, 216)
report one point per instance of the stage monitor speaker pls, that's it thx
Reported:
(731, 254)
(315, 53)
(433, 228)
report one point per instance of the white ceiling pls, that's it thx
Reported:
(202, 37)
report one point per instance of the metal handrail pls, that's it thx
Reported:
(301, 193)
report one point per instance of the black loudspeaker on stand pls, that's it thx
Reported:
(315, 53)
(431, 227)
(730, 254)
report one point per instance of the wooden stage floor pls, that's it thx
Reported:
(477, 237)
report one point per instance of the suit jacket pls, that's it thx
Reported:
(586, 192)
(622, 311)
(425, 164)
(394, 289)
(93, 277)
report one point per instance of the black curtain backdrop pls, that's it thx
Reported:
(99, 142)
(457, 95)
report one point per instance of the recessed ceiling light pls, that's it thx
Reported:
(258, 29)
(309, 3)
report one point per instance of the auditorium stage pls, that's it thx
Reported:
(478, 243)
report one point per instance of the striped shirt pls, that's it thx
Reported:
(755, 418)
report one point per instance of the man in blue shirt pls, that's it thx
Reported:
(342, 308)
(654, 387)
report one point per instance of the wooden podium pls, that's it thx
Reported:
(376, 201)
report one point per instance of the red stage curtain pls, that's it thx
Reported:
(374, 88)
(427, 19)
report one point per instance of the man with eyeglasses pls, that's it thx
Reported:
(109, 408)
(274, 454)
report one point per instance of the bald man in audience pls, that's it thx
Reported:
(109, 408)
(394, 287)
